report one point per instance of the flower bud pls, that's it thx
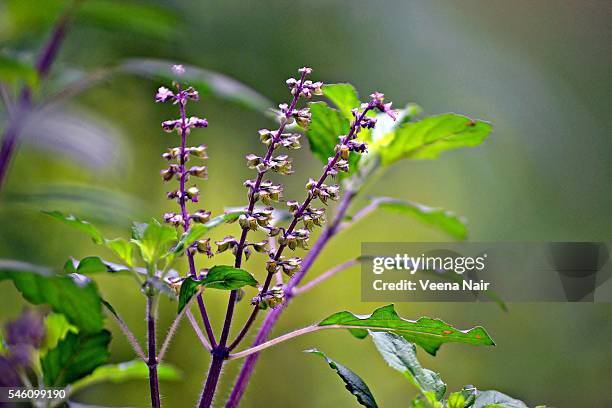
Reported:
(163, 95)
(201, 216)
(199, 151)
(199, 171)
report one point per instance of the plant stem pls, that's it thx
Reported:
(323, 277)
(127, 332)
(43, 64)
(272, 317)
(152, 360)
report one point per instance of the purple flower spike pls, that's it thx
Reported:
(164, 94)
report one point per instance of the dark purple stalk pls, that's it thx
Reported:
(152, 358)
(43, 65)
(221, 352)
(185, 215)
(296, 217)
(272, 317)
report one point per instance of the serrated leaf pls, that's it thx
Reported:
(344, 96)
(428, 333)
(446, 221)
(205, 81)
(427, 138)
(197, 231)
(129, 370)
(14, 71)
(218, 277)
(74, 296)
(400, 354)
(496, 399)
(354, 384)
(78, 224)
(74, 357)
(56, 329)
(154, 241)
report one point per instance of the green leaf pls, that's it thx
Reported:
(75, 357)
(74, 296)
(122, 248)
(325, 126)
(400, 354)
(199, 230)
(154, 241)
(428, 333)
(427, 138)
(56, 329)
(129, 370)
(446, 221)
(354, 384)
(78, 224)
(496, 399)
(344, 96)
(93, 264)
(15, 71)
(218, 277)
(205, 81)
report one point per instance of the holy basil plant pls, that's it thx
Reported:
(175, 256)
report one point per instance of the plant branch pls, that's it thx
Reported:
(197, 330)
(127, 332)
(172, 331)
(323, 277)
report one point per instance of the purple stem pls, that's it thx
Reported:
(272, 317)
(43, 65)
(185, 215)
(221, 351)
(152, 360)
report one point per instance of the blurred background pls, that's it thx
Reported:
(539, 71)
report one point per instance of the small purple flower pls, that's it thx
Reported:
(195, 122)
(377, 99)
(170, 125)
(164, 94)
(178, 69)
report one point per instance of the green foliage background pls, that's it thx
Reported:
(538, 70)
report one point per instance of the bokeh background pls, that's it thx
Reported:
(539, 71)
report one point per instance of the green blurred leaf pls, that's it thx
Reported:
(344, 96)
(444, 220)
(140, 18)
(354, 384)
(218, 277)
(205, 81)
(14, 71)
(74, 296)
(93, 264)
(400, 354)
(496, 399)
(78, 224)
(199, 230)
(428, 333)
(96, 204)
(75, 356)
(427, 138)
(56, 329)
(129, 370)
(154, 240)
